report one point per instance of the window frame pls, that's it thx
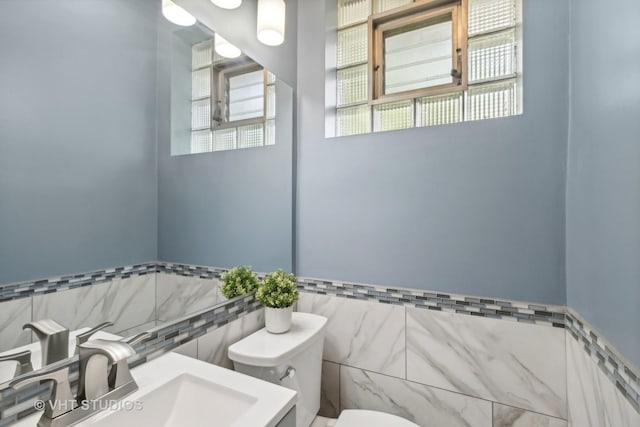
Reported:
(221, 77)
(406, 16)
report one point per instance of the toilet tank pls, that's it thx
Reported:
(299, 352)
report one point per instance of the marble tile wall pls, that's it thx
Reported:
(213, 346)
(182, 295)
(14, 314)
(594, 400)
(125, 302)
(424, 405)
(507, 362)
(357, 331)
(508, 416)
(401, 358)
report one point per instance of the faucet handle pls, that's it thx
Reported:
(137, 339)
(85, 336)
(115, 351)
(24, 361)
(62, 400)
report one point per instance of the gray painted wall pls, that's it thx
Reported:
(473, 208)
(77, 136)
(230, 207)
(603, 184)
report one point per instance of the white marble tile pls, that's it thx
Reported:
(362, 334)
(424, 405)
(594, 400)
(178, 296)
(14, 314)
(330, 390)
(130, 303)
(511, 363)
(213, 346)
(189, 349)
(125, 302)
(508, 416)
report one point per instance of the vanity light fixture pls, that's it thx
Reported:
(224, 48)
(176, 14)
(271, 17)
(227, 4)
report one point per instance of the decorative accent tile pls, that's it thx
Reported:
(361, 334)
(508, 416)
(421, 404)
(55, 284)
(512, 363)
(594, 400)
(622, 374)
(548, 315)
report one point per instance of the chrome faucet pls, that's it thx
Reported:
(24, 361)
(54, 339)
(96, 385)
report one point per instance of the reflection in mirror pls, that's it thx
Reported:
(220, 98)
(215, 210)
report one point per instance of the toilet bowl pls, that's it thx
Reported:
(294, 360)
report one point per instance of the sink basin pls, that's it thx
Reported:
(178, 391)
(184, 401)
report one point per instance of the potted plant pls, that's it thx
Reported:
(238, 281)
(277, 292)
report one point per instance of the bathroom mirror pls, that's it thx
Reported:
(222, 179)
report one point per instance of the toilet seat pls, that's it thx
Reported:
(362, 418)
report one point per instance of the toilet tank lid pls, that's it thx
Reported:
(266, 349)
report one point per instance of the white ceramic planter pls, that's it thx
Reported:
(278, 320)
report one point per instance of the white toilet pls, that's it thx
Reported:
(294, 360)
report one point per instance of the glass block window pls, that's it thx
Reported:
(392, 116)
(419, 56)
(233, 103)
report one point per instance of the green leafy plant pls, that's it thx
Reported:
(238, 281)
(277, 290)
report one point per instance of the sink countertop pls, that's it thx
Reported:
(270, 401)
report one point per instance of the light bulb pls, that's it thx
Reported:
(176, 14)
(226, 49)
(227, 4)
(271, 17)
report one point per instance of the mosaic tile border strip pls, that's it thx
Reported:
(19, 290)
(621, 373)
(27, 289)
(523, 312)
(18, 404)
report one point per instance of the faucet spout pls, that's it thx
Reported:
(54, 339)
